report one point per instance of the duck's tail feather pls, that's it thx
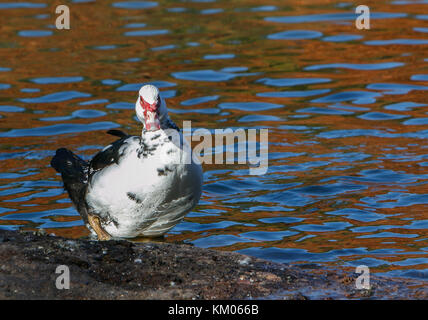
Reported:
(73, 171)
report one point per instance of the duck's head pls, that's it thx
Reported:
(149, 107)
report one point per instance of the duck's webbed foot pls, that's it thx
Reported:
(95, 223)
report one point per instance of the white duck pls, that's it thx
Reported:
(139, 185)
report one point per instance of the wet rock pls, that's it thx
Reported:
(127, 270)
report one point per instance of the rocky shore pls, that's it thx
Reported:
(152, 270)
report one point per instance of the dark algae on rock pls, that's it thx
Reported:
(153, 270)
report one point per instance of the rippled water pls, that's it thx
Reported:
(346, 109)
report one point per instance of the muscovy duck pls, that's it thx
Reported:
(138, 185)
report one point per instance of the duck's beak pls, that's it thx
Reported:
(152, 121)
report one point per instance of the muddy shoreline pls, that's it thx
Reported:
(127, 270)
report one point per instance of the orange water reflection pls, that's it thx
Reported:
(312, 143)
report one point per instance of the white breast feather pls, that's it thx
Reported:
(163, 199)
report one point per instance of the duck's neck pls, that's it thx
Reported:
(165, 123)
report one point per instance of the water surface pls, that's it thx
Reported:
(346, 111)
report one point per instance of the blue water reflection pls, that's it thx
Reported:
(346, 111)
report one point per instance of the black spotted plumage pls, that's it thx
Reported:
(134, 197)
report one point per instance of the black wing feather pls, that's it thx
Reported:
(76, 172)
(108, 156)
(118, 133)
(73, 171)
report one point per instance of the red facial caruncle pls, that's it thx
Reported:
(151, 114)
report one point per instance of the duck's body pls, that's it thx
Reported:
(146, 192)
(137, 186)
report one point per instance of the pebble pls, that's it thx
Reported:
(245, 261)
(71, 242)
